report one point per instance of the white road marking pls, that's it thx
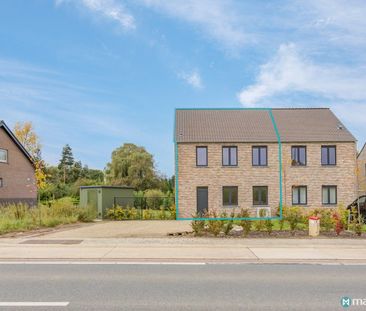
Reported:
(34, 304)
(183, 263)
(101, 263)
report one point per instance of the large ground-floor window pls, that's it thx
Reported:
(260, 195)
(230, 195)
(329, 195)
(299, 195)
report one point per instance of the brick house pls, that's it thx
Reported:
(361, 170)
(230, 159)
(17, 172)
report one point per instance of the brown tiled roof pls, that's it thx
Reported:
(241, 125)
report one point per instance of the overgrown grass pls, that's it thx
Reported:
(21, 217)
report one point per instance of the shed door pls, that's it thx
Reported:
(202, 200)
(92, 200)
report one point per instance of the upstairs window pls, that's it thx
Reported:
(201, 156)
(299, 195)
(3, 155)
(329, 156)
(259, 156)
(260, 195)
(298, 155)
(230, 156)
(1, 183)
(329, 195)
(230, 196)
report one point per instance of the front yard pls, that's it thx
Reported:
(295, 223)
(20, 217)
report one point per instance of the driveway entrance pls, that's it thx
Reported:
(123, 229)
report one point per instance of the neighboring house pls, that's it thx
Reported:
(17, 172)
(229, 159)
(361, 170)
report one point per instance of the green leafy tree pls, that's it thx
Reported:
(166, 184)
(66, 163)
(132, 165)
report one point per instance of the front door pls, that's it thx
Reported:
(202, 200)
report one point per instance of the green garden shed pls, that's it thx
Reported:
(103, 197)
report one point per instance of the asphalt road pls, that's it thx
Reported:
(182, 287)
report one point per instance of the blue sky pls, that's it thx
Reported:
(99, 73)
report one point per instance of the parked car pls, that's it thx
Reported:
(361, 200)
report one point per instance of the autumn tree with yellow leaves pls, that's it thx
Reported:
(29, 139)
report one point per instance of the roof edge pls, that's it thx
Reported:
(16, 141)
(362, 149)
(254, 108)
(106, 187)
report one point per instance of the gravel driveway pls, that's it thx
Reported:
(122, 229)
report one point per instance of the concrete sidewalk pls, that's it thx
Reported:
(186, 249)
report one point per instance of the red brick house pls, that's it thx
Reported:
(17, 171)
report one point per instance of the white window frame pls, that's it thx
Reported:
(6, 156)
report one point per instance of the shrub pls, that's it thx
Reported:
(173, 212)
(122, 213)
(281, 222)
(63, 207)
(269, 226)
(132, 213)
(260, 224)
(147, 214)
(154, 198)
(344, 214)
(357, 222)
(340, 219)
(214, 226)
(198, 226)
(294, 217)
(326, 220)
(87, 214)
(227, 225)
(162, 213)
(245, 224)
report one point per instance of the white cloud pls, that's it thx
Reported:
(342, 21)
(109, 9)
(289, 71)
(193, 78)
(216, 18)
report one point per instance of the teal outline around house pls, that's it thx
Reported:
(279, 167)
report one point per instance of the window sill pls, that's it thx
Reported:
(260, 206)
(260, 166)
(296, 166)
(230, 206)
(330, 205)
(229, 166)
(328, 165)
(202, 166)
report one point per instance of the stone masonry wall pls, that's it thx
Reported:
(245, 176)
(361, 172)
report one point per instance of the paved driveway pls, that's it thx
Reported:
(123, 229)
